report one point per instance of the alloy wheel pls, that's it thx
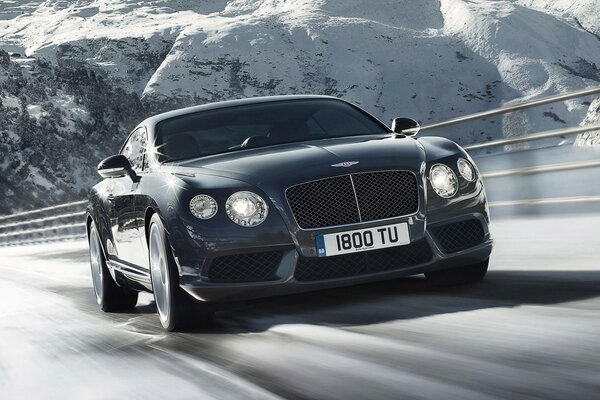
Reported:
(159, 270)
(96, 264)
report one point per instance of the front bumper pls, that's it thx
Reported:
(287, 279)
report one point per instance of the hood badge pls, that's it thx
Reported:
(345, 164)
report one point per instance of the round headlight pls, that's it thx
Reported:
(443, 180)
(203, 206)
(246, 208)
(465, 169)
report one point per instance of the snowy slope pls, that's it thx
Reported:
(429, 59)
(580, 13)
(378, 56)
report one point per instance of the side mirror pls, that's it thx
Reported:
(406, 126)
(117, 167)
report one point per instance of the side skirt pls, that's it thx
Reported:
(132, 273)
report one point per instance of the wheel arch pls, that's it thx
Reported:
(150, 211)
(88, 225)
(88, 228)
(148, 214)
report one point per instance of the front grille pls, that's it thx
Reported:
(326, 202)
(350, 199)
(386, 194)
(458, 235)
(249, 267)
(364, 263)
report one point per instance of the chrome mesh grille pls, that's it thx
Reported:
(350, 199)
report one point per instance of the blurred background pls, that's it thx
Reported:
(77, 76)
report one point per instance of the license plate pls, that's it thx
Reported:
(378, 237)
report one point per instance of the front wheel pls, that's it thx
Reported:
(109, 295)
(176, 309)
(464, 275)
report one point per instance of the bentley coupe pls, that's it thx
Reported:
(274, 195)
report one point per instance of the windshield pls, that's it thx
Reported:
(259, 125)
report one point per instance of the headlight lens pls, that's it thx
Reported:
(466, 170)
(203, 206)
(246, 208)
(443, 180)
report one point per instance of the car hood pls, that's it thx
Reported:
(299, 162)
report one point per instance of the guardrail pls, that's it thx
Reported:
(44, 225)
(533, 136)
(513, 107)
(60, 222)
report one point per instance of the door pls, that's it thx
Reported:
(124, 223)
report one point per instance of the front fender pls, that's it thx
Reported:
(193, 239)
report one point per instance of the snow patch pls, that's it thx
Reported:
(36, 111)
(11, 102)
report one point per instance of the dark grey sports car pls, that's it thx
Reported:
(274, 195)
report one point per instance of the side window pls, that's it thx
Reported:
(135, 149)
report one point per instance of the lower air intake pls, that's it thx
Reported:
(364, 263)
(458, 236)
(249, 267)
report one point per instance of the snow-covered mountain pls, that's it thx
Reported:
(592, 118)
(81, 73)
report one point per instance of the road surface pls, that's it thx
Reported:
(530, 330)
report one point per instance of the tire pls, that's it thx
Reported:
(176, 309)
(109, 295)
(465, 275)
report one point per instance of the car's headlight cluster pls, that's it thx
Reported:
(203, 206)
(466, 169)
(445, 182)
(244, 208)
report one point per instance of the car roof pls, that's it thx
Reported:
(152, 121)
